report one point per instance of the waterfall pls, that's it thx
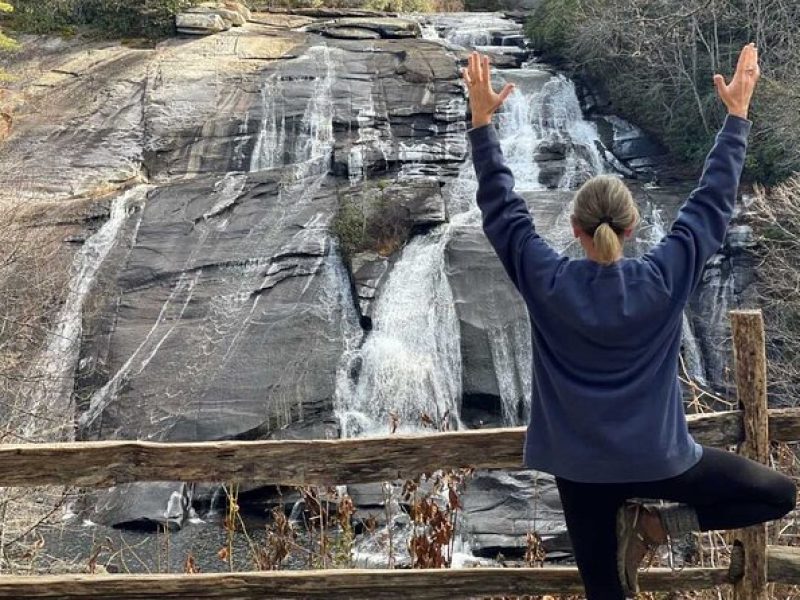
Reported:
(520, 136)
(651, 233)
(716, 297)
(269, 148)
(512, 358)
(308, 145)
(315, 142)
(560, 118)
(428, 31)
(473, 37)
(475, 30)
(371, 132)
(693, 358)
(56, 366)
(410, 364)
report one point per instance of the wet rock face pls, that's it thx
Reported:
(369, 270)
(489, 309)
(396, 104)
(211, 281)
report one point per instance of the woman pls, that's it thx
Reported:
(607, 417)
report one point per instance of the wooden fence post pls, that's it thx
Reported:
(747, 327)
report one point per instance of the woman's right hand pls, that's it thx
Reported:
(737, 94)
(483, 100)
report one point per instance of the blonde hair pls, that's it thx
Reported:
(604, 209)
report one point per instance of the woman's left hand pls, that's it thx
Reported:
(483, 101)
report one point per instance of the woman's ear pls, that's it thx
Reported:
(576, 231)
(628, 233)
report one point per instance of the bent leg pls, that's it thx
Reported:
(590, 511)
(728, 491)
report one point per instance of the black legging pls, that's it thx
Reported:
(727, 491)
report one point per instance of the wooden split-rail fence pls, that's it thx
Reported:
(754, 563)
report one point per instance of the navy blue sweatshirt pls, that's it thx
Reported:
(607, 401)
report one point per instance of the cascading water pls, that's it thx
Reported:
(651, 233)
(373, 134)
(520, 136)
(693, 358)
(471, 30)
(410, 364)
(315, 142)
(55, 367)
(312, 144)
(543, 122)
(559, 114)
(716, 297)
(270, 143)
(231, 311)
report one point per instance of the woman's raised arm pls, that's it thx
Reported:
(507, 222)
(699, 230)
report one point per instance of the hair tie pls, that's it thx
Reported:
(606, 219)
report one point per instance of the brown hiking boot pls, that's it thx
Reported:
(639, 532)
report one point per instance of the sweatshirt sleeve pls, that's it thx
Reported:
(529, 261)
(699, 229)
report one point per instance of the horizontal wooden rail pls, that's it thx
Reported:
(430, 584)
(319, 462)
(783, 564)
(425, 584)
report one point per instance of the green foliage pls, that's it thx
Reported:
(110, 18)
(399, 5)
(350, 226)
(553, 24)
(370, 220)
(6, 43)
(483, 5)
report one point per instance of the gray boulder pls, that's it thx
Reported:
(500, 508)
(200, 23)
(239, 8)
(231, 17)
(386, 27)
(630, 144)
(145, 505)
(369, 270)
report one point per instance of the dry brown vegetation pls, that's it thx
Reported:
(775, 215)
(34, 274)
